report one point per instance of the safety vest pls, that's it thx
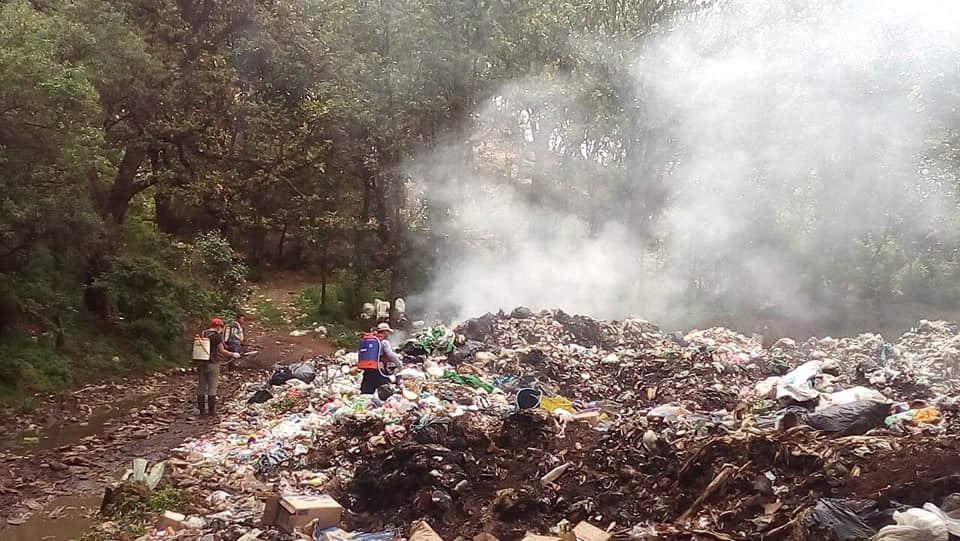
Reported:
(368, 352)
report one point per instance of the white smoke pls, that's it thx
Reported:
(782, 133)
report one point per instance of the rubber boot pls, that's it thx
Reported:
(212, 405)
(202, 404)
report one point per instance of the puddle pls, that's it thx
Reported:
(62, 434)
(64, 519)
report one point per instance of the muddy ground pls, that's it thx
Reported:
(76, 443)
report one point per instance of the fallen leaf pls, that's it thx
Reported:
(772, 508)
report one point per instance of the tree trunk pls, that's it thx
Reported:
(114, 210)
(61, 336)
(124, 188)
(324, 266)
(359, 260)
(283, 238)
(166, 217)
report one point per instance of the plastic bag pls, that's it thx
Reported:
(927, 415)
(528, 398)
(304, 372)
(915, 525)
(281, 375)
(412, 373)
(668, 412)
(551, 403)
(478, 328)
(521, 312)
(433, 369)
(851, 395)
(464, 353)
(841, 519)
(764, 388)
(848, 419)
(952, 524)
(796, 385)
(259, 396)
(432, 430)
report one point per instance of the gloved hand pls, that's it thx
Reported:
(235, 355)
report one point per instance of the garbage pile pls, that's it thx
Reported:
(518, 426)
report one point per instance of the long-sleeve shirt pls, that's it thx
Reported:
(386, 350)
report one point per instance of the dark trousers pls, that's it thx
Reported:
(371, 380)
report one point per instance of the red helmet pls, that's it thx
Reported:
(217, 322)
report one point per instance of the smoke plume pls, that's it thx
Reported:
(752, 157)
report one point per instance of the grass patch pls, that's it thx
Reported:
(132, 501)
(93, 351)
(343, 335)
(307, 303)
(341, 327)
(132, 508)
(269, 315)
(27, 405)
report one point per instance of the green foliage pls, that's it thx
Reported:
(343, 335)
(27, 405)
(142, 150)
(156, 301)
(269, 315)
(343, 298)
(34, 363)
(338, 314)
(132, 501)
(214, 268)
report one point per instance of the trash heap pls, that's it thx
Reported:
(552, 426)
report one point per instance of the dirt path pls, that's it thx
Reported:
(279, 345)
(86, 440)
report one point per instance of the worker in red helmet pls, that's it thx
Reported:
(208, 371)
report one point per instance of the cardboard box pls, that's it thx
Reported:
(335, 534)
(169, 519)
(588, 532)
(252, 535)
(296, 511)
(421, 531)
(540, 538)
(271, 509)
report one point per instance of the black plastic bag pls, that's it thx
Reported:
(259, 397)
(521, 312)
(849, 419)
(851, 520)
(841, 519)
(385, 391)
(865, 368)
(528, 398)
(281, 375)
(435, 431)
(464, 353)
(478, 328)
(304, 372)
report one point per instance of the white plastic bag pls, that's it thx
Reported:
(413, 373)
(853, 394)
(764, 388)
(668, 412)
(797, 385)
(953, 525)
(914, 525)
